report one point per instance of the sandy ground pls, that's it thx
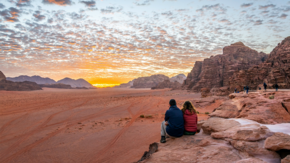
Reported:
(103, 125)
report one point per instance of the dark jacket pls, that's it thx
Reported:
(190, 121)
(174, 117)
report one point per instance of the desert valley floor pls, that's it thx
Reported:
(102, 125)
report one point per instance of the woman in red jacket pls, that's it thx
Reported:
(190, 118)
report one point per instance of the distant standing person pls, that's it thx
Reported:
(265, 86)
(235, 90)
(247, 89)
(276, 86)
(174, 123)
(190, 118)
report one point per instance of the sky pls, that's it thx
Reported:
(108, 42)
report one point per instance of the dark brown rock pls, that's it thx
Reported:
(149, 82)
(215, 72)
(2, 76)
(276, 69)
(18, 86)
(58, 85)
(167, 84)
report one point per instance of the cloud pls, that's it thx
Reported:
(258, 22)
(1, 6)
(23, 3)
(38, 16)
(58, 2)
(283, 16)
(266, 7)
(244, 5)
(10, 14)
(143, 2)
(111, 9)
(91, 3)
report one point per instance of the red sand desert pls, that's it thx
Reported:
(103, 125)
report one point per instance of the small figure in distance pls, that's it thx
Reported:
(247, 89)
(276, 86)
(190, 118)
(173, 126)
(235, 90)
(265, 86)
(259, 88)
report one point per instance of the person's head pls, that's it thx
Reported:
(188, 106)
(172, 102)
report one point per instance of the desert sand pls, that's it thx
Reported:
(102, 125)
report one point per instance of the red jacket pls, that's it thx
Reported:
(190, 121)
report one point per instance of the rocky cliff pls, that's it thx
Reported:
(167, 84)
(17, 86)
(215, 72)
(149, 82)
(276, 69)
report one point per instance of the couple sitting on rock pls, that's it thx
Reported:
(179, 122)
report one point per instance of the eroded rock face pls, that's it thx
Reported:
(218, 124)
(167, 84)
(255, 106)
(215, 72)
(149, 82)
(274, 70)
(2, 76)
(278, 141)
(286, 159)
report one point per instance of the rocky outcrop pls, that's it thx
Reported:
(255, 106)
(149, 82)
(217, 125)
(215, 72)
(17, 86)
(167, 84)
(58, 85)
(278, 141)
(75, 83)
(36, 79)
(2, 76)
(276, 69)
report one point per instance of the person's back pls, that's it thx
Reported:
(190, 121)
(174, 123)
(174, 117)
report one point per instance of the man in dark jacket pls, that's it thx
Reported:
(174, 124)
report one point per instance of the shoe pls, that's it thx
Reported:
(163, 139)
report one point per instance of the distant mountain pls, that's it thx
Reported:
(149, 81)
(76, 83)
(36, 79)
(179, 78)
(125, 85)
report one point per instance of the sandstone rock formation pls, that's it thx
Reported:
(217, 125)
(215, 72)
(17, 86)
(255, 106)
(36, 79)
(167, 84)
(149, 82)
(278, 141)
(2, 76)
(286, 159)
(276, 69)
(125, 85)
(75, 83)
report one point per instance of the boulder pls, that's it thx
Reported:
(286, 159)
(278, 141)
(222, 91)
(205, 92)
(216, 124)
(228, 109)
(255, 149)
(250, 132)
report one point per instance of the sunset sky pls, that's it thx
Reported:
(115, 41)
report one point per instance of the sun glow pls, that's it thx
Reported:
(105, 85)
